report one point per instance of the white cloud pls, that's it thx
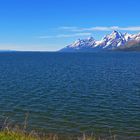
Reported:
(66, 35)
(67, 28)
(79, 32)
(101, 28)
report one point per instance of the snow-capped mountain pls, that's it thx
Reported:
(109, 42)
(85, 43)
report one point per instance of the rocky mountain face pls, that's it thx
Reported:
(114, 41)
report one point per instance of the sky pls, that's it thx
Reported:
(49, 25)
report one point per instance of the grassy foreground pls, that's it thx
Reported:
(21, 133)
(15, 136)
(11, 135)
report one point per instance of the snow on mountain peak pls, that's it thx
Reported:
(109, 42)
(80, 43)
(91, 38)
(127, 36)
(112, 40)
(115, 35)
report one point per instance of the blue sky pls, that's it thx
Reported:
(48, 25)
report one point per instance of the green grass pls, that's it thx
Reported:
(15, 136)
(4, 135)
(21, 135)
(14, 132)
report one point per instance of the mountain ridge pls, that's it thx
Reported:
(114, 41)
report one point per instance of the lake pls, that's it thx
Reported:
(72, 93)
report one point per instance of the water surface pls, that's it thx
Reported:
(72, 92)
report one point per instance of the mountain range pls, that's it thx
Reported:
(114, 41)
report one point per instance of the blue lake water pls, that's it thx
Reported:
(72, 92)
